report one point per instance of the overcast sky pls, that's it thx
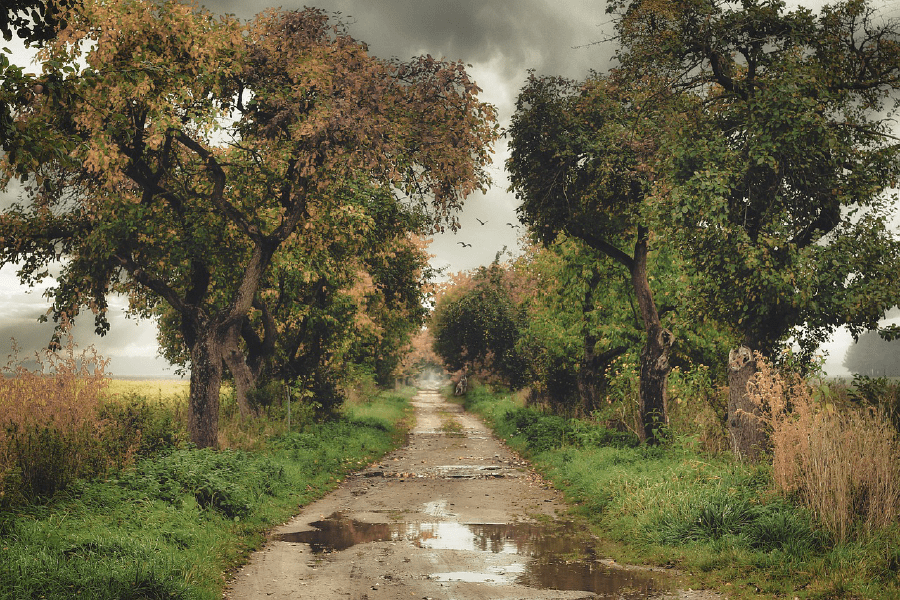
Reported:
(501, 39)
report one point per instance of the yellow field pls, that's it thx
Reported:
(163, 389)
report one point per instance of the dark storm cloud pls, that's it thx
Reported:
(551, 37)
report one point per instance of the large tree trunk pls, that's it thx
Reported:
(655, 365)
(745, 428)
(243, 376)
(206, 382)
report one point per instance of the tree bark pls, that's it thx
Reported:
(243, 376)
(206, 381)
(745, 428)
(655, 365)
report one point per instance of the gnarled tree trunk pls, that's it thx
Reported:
(243, 376)
(206, 381)
(655, 365)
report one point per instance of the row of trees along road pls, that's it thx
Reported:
(221, 173)
(753, 142)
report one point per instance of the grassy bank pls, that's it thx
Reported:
(722, 522)
(178, 520)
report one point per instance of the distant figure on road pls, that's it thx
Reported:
(462, 386)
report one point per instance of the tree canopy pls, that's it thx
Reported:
(778, 180)
(174, 155)
(582, 163)
(475, 326)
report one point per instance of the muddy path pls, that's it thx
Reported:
(453, 514)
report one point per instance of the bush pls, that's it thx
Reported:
(844, 464)
(879, 393)
(134, 423)
(541, 432)
(228, 482)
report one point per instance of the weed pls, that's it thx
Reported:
(843, 463)
(697, 408)
(449, 426)
(51, 431)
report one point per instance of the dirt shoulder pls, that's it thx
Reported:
(453, 514)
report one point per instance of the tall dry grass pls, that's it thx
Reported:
(842, 462)
(52, 428)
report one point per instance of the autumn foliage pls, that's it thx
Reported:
(184, 158)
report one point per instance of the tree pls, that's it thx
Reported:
(34, 21)
(422, 361)
(476, 326)
(348, 290)
(186, 136)
(579, 319)
(395, 306)
(581, 162)
(873, 356)
(582, 325)
(777, 179)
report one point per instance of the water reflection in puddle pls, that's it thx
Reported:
(556, 556)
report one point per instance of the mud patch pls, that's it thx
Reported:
(556, 556)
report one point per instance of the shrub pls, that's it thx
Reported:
(697, 407)
(541, 432)
(842, 464)
(592, 435)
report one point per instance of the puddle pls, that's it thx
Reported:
(555, 556)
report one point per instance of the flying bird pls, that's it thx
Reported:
(513, 226)
(463, 244)
(480, 221)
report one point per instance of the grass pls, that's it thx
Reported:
(724, 524)
(177, 522)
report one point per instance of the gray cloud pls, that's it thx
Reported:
(550, 37)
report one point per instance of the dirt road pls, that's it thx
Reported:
(454, 514)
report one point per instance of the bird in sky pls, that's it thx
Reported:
(463, 244)
(480, 221)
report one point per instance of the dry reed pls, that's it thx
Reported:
(841, 462)
(51, 430)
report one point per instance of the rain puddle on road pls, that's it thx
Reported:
(555, 556)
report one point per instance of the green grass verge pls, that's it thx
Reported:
(174, 526)
(719, 521)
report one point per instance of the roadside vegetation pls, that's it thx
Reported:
(102, 495)
(816, 518)
(690, 248)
